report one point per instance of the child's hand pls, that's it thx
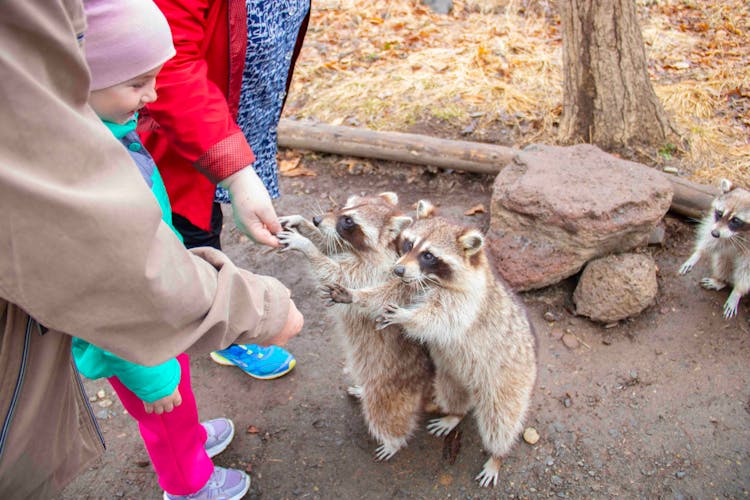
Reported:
(294, 322)
(165, 404)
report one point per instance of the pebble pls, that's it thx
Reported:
(570, 341)
(550, 316)
(680, 474)
(104, 403)
(556, 333)
(101, 394)
(671, 170)
(530, 435)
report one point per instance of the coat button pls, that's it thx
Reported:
(134, 146)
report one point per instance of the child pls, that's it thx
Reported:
(126, 44)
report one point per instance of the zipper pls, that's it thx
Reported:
(17, 389)
(85, 398)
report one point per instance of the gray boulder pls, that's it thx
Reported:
(555, 208)
(616, 287)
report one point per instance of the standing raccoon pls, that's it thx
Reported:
(722, 236)
(355, 246)
(446, 295)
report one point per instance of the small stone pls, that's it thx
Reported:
(530, 435)
(104, 403)
(671, 170)
(556, 333)
(101, 394)
(680, 474)
(550, 316)
(570, 341)
(93, 398)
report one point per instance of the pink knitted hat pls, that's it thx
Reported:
(124, 39)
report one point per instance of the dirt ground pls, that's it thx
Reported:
(654, 407)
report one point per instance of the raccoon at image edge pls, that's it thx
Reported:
(721, 236)
(445, 293)
(392, 374)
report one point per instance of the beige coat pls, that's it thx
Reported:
(84, 252)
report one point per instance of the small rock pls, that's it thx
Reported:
(104, 403)
(530, 435)
(550, 316)
(671, 170)
(93, 398)
(101, 394)
(571, 341)
(556, 333)
(680, 474)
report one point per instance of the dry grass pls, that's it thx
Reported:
(492, 68)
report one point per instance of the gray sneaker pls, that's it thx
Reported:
(224, 484)
(220, 433)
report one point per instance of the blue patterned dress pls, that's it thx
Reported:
(272, 29)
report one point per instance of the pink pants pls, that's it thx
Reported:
(175, 441)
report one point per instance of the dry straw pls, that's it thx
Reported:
(494, 65)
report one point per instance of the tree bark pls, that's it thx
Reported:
(608, 97)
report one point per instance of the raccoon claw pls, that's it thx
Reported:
(712, 284)
(385, 451)
(686, 267)
(490, 471)
(382, 322)
(442, 426)
(387, 317)
(730, 307)
(337, 294)
(355, 391)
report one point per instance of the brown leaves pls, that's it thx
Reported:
(290, 166)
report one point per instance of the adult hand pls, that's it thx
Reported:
(253, 211)
(165, 404)
(294, 323)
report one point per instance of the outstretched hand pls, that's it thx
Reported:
(253, 211)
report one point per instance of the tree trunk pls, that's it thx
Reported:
(608, 98)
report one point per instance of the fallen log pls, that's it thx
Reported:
(689, 199)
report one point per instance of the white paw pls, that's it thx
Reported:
(730, 307)
(386, 450)
(355, 391)
(490, 471)
(686, 267)
(442, 426)
(712, 284)
(292, 221)
(291, 240)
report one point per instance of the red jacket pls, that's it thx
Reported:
(190, 130)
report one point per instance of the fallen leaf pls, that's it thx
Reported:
(286, 165)
(252, 430)
(476, 209)
(445, 479)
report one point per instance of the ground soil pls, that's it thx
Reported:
(654, 407)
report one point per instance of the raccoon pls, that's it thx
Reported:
(445, 294)
(722, 237)
(355, 246)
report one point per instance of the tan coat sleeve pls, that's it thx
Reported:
(82, 245)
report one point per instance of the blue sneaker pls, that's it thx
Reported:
(259, 362)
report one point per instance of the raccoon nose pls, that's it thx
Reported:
(715, 233)
(399, 271)
(317, 220)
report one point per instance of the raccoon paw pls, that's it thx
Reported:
(442, 426)
(686, 267)
(490, 471)
(730, 306)
(293, 221)
(291, 240)
(388, 317)
(336, 294)
(389, 448)
(712, 284)
(355, 391)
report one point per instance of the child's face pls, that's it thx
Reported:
(119, 102)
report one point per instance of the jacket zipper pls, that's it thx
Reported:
(17, 389)
(85, 398)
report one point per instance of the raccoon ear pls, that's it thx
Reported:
(425, 209)
(399, 223)
(726, 185)
(390, 197)
(352, 200)
(471, 241)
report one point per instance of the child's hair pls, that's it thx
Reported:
(124, 39)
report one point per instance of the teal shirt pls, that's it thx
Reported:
(149, 383)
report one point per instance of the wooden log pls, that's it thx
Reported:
(689, 199)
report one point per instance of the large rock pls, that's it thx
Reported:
(616, 287)
(555, 208)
